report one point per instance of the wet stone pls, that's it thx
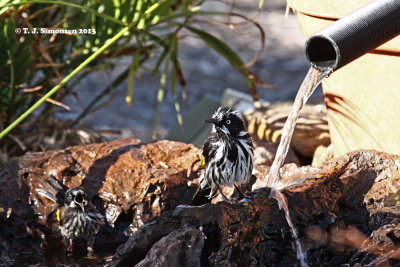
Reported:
(181, 247)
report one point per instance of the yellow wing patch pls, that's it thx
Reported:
(203, 161)
(58, 215)
(319, 176)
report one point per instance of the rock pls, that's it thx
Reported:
(311, 129)
(348, 192)
(290, 174)
(384, 242)
(181, 247)
(130, 182)
(346, 211)
(322, 155)
(138, 245)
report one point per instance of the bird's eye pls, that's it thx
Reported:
(228, 121)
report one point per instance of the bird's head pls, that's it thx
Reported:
(75, 198)
(228, 121)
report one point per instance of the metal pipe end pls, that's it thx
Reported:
(322, 52)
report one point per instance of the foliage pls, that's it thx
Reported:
(35, 68)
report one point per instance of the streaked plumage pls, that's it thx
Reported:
(227, 152)
(76, 216)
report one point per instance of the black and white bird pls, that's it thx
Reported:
(77, 218)
(227, 155)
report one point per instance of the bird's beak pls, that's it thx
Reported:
(213, 121)
(80, 204)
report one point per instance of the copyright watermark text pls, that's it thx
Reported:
(54, 31)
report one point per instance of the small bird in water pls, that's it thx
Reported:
(227, 155)
(77, 218)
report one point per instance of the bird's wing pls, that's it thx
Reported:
(47, 194)
(55, 190)
(96, 216)
(209, 148)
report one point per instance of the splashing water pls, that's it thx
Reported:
(310, 83)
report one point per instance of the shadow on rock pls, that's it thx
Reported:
(21, 234)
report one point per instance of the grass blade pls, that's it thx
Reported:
(176, 101)
(163, 81)
(131, 74)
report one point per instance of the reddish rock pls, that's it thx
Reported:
(290, 175)
(126, 175)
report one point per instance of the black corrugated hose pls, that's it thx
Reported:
(354, 35)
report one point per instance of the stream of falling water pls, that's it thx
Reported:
(310, 83)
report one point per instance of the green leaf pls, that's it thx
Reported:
(159, 61)
(173, 81)
(64, 81)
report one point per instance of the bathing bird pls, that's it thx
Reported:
(227, 157)
(77, 218)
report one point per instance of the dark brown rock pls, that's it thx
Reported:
(339, 195)
(136, 248)
(129, 181)
(181, 247)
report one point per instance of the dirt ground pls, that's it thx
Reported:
(281, 64)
